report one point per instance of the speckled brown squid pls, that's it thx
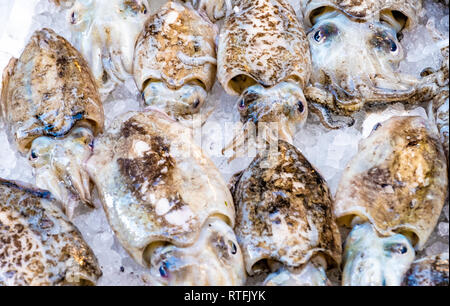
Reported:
(355, 53)
(175, 60)
(391, 194)
(105, 33)
(38, 245)
(285, 222)
(52, 111)
(263, 56)
(166, 201)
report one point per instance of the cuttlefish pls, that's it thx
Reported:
(166, 201)
(175, 60)
(356, 50)
(52, 110)
(105, 33)
(391, 194)
(39, 246)
(263, 57)
(285, 223)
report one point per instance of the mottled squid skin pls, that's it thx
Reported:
(263, 56)
(48, 90)
(52, 110)
(38, 245)
(284, 215)
(262, 42)
(166, 201)
(105, 32)
(175, 60)
(396, 186)
(428, 271)
(356, 52)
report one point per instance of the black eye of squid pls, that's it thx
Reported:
(318, 36)
(232, 247)
(383, 41)
(324, 32)
(196, 103)
(300, 106)
(393, 46)
(398, 248)
(33, 154)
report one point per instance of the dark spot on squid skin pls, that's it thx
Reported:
(148, 168)
(379, 176)
(153, 30)
(122, 269)
(46, 223)
(61, 64)
(280, 200)
(132, 128)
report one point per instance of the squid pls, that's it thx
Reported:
(52, 111)
(391, 195)
(39, 246)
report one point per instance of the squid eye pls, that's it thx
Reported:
(300, 106)
(318, 36)
(324, 32)
(33, 154)
(233, 247)
(384, 42)
(393, 46)
(196, 103)
(397, 248)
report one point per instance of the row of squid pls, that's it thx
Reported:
(166, 201)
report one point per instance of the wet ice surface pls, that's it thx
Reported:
(328, 150)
